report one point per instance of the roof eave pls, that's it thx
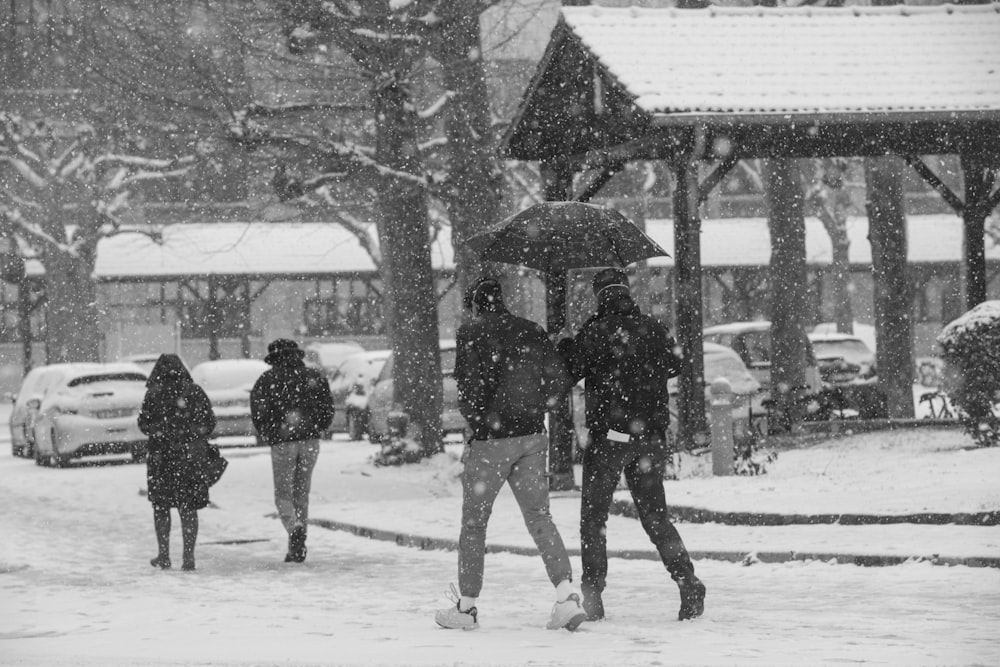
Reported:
(722, 118)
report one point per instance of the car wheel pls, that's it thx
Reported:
(55, 459)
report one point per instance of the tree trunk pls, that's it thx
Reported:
(474, 180)
(786, 222)
(71, 315)
(840, 272)
(893, 325)
(405, 242)
(979, 180)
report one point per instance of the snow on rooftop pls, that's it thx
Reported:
(798, 60)
(243, 248)
(313, 249)
(747, 241)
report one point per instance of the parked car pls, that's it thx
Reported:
(228, 382)
(26, 402)
(380, 402)
(752, 342)
(145, 360)
(351, 387)
(720, 362)
(847, 371)
(327, 357)
(90, 409)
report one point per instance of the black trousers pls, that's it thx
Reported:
(641, 460)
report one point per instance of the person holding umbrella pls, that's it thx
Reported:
(507, 372)
(626, 358)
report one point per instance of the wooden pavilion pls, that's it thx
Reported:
(717, 85)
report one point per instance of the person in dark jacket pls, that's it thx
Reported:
(177, 416)
(626, 359)
(291, 406)
(507, 371)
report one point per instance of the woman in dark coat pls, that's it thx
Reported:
(177, 417)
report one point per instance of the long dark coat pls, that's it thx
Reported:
(177, 416)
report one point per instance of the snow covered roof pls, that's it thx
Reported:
(747, 241)
(309, 250)
(289, 250)
(798, 60)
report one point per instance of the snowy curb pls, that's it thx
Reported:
(698, 515)
(747, 558)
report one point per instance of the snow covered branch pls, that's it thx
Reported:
(436, 108)
(25, 171)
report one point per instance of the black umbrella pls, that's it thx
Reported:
(559, 235)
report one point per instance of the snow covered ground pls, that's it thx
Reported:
(76, 587)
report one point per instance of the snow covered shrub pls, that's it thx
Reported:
(971, 345)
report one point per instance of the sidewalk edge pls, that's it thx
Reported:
(747, 558)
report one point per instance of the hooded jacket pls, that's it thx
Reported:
(175, 410)
(290, 401)
(499, 404)
(626, 359)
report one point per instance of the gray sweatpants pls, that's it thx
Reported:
(292, 464)
(488, 464)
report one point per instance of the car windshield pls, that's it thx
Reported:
(851, 351)
(106, 377)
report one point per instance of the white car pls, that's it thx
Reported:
(752, 341)
(720, 362)
(228, 382)
(350, 387)
(380, 402)
(91, 409)
(26, 402)
(145, 360)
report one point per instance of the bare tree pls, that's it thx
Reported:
(828, 199)
(62, 189)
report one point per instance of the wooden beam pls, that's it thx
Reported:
(713, 179)
(993, 200)
(932, 179)
(656, 145)
(599, 181)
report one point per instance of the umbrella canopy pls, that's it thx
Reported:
(559, 235)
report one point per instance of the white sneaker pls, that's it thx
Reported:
(567, 614)
(455, 619)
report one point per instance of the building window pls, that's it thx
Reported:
(355, 315)
(197, 320)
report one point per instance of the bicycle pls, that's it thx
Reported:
(938, 405)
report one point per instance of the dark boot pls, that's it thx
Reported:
(161, 523)
(296, 545)
(189, 531)
(593, 605)
(162, 562)
(692, 597)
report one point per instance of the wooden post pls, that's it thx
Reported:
(212, 315)
(558, 182)
(978, 182)
(891, 285)
(687, 248)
